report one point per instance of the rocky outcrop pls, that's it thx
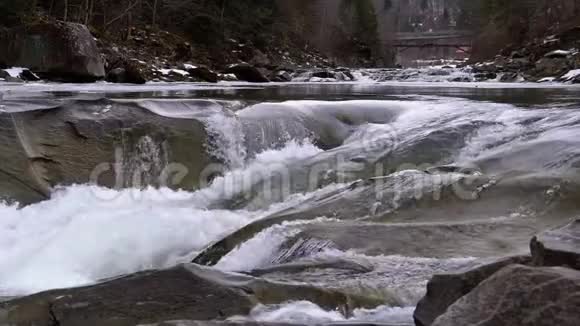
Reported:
(186, 292)
(520, 285)
(55, 51)
(558, 247)
(520, 295)
(247, 72)
(110, 143)
(443, 290)
(536, 60)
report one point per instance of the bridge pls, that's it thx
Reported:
(460, 40)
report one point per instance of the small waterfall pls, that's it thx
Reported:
(144, 162)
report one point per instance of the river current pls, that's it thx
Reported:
(402, 180)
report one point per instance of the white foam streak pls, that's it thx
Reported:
(305, 312)
(259, 251)
(264, 165)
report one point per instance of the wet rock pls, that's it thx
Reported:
(295, 267)
(549, 67)
(28, 75)
(520, 295)
(4, 74)
(117, 75)
(257, 323)
(203, 73)
(511, 77)
(324, 74)
(129, 73)
(439, 72)
(47, 143)
(387, 239)
(359, 201)
(485, 76)
(56, 51)
(461, 79)
(282, 76)
(485, 68)
(445, 289)
(186, 292)
(247, 72)
(558, 247)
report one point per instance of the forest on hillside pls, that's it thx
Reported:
(338, 28)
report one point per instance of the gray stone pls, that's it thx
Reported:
(186, 292)
(247, 72)
(55, 50)
(550, 67)
(520, 295)
(443, 290)
(28, 75)
(558, 247)
(203, 73)
(49, 143)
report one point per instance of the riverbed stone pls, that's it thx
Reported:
(558, 247)
(444, 289)
(54, 50)
(185, 292)
(520, 295)
(203, 73)
(247, 72)
(48, 143)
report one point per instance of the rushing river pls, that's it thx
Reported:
(399, 180)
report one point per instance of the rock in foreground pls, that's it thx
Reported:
(443, 290)
(520, 295)
(186, 292)
(558, 247)
(56, 51)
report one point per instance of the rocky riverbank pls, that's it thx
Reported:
(538, 290)
(553, 58)
(74, 55)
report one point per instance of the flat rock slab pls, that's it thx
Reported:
(257, 323)
(558, 247)
(520, 295)
(433, 240)
(186, 292)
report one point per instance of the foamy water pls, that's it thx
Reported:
(304, 312)
(86, 233)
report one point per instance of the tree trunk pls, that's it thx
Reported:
(86, 8)
(155, 4)
(65, 18)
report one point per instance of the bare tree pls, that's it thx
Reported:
(65, 18)
(155, 6)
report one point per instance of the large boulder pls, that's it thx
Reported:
(550, 67)
(129, 72)
(558, 247)
(247, 72)
(520, 295)
(203, 73)
(111, 143)
(57, 51)
(185, 292)
(443, 290)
